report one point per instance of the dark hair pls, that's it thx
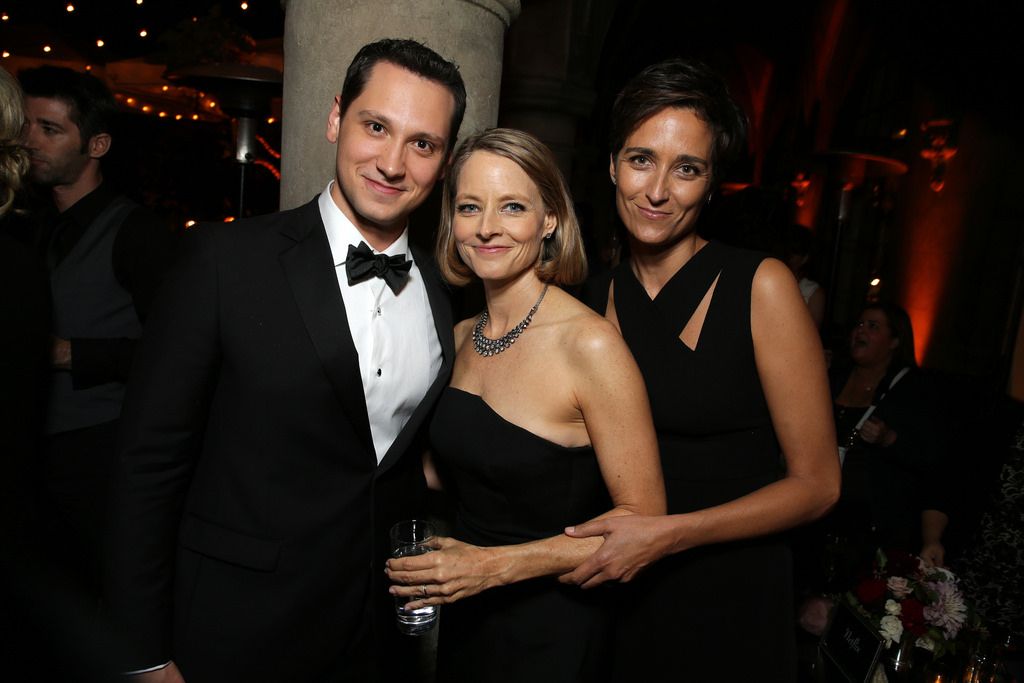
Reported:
(414, 57)
(685, 84)
(901, 329)
(91, 107)
(563, 260)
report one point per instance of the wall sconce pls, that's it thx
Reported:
(800, 186)
(939, 149)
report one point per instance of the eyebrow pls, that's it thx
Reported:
(523, 199)
(48, 122)
(422, 135)
(688, 158)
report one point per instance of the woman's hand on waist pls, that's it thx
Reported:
(631, 543)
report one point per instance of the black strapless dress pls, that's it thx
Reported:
(720, 613)
(512, 486)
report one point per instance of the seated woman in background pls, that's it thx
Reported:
(888, 432)
(545, 423)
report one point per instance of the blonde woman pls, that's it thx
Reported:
(545, 423)
(13, 157)
(23, 342)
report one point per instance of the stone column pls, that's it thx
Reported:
(320, 39)
(551, 60)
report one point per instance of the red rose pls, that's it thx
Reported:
(870, 591)
(912, 616)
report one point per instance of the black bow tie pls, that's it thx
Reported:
(362, 264)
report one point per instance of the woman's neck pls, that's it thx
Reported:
(654, 266)
(868, 376)
(510, 301)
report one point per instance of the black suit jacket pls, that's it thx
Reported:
(251, 516)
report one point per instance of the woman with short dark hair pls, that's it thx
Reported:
(734, 370)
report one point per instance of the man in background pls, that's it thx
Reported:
(105, 256)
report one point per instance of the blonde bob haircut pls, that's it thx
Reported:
(13, 157)
(562, 259)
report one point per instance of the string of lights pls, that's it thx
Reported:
(98, 31)
(117, 41)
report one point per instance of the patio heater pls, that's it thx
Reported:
(244, 92)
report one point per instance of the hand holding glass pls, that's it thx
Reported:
(410, 538)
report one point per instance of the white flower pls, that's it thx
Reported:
(891, 629)
(892, 607)
(925, 643)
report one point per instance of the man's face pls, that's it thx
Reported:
(53, 141)
(392, 145)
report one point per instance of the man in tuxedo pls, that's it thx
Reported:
(271, 430)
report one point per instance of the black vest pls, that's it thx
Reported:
(89, 303)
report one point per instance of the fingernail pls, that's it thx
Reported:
(570, 529)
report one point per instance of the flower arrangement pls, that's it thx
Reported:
(909, 600)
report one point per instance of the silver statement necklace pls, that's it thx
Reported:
(492, 347)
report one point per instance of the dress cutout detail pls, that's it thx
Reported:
(512, 486)
(721, 612)
(697, 319)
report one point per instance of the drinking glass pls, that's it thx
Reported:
(410, 537)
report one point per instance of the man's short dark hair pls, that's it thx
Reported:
(414, 57)
(91, 107)
(683, 84)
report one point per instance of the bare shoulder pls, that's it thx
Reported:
(774, 290)
(777, 310)
(586, 336)
(773, 278)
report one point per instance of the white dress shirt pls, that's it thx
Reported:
(395, 337)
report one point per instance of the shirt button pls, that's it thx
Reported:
(378, 372)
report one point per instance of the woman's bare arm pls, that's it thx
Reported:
(791, 368)
(611, 396)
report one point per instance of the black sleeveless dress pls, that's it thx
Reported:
(511, 486)
(719, 613)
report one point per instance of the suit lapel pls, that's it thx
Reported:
(441, 309)
(440, 305)
(310, 272)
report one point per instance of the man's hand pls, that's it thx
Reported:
(60, 353)
(168, 674)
